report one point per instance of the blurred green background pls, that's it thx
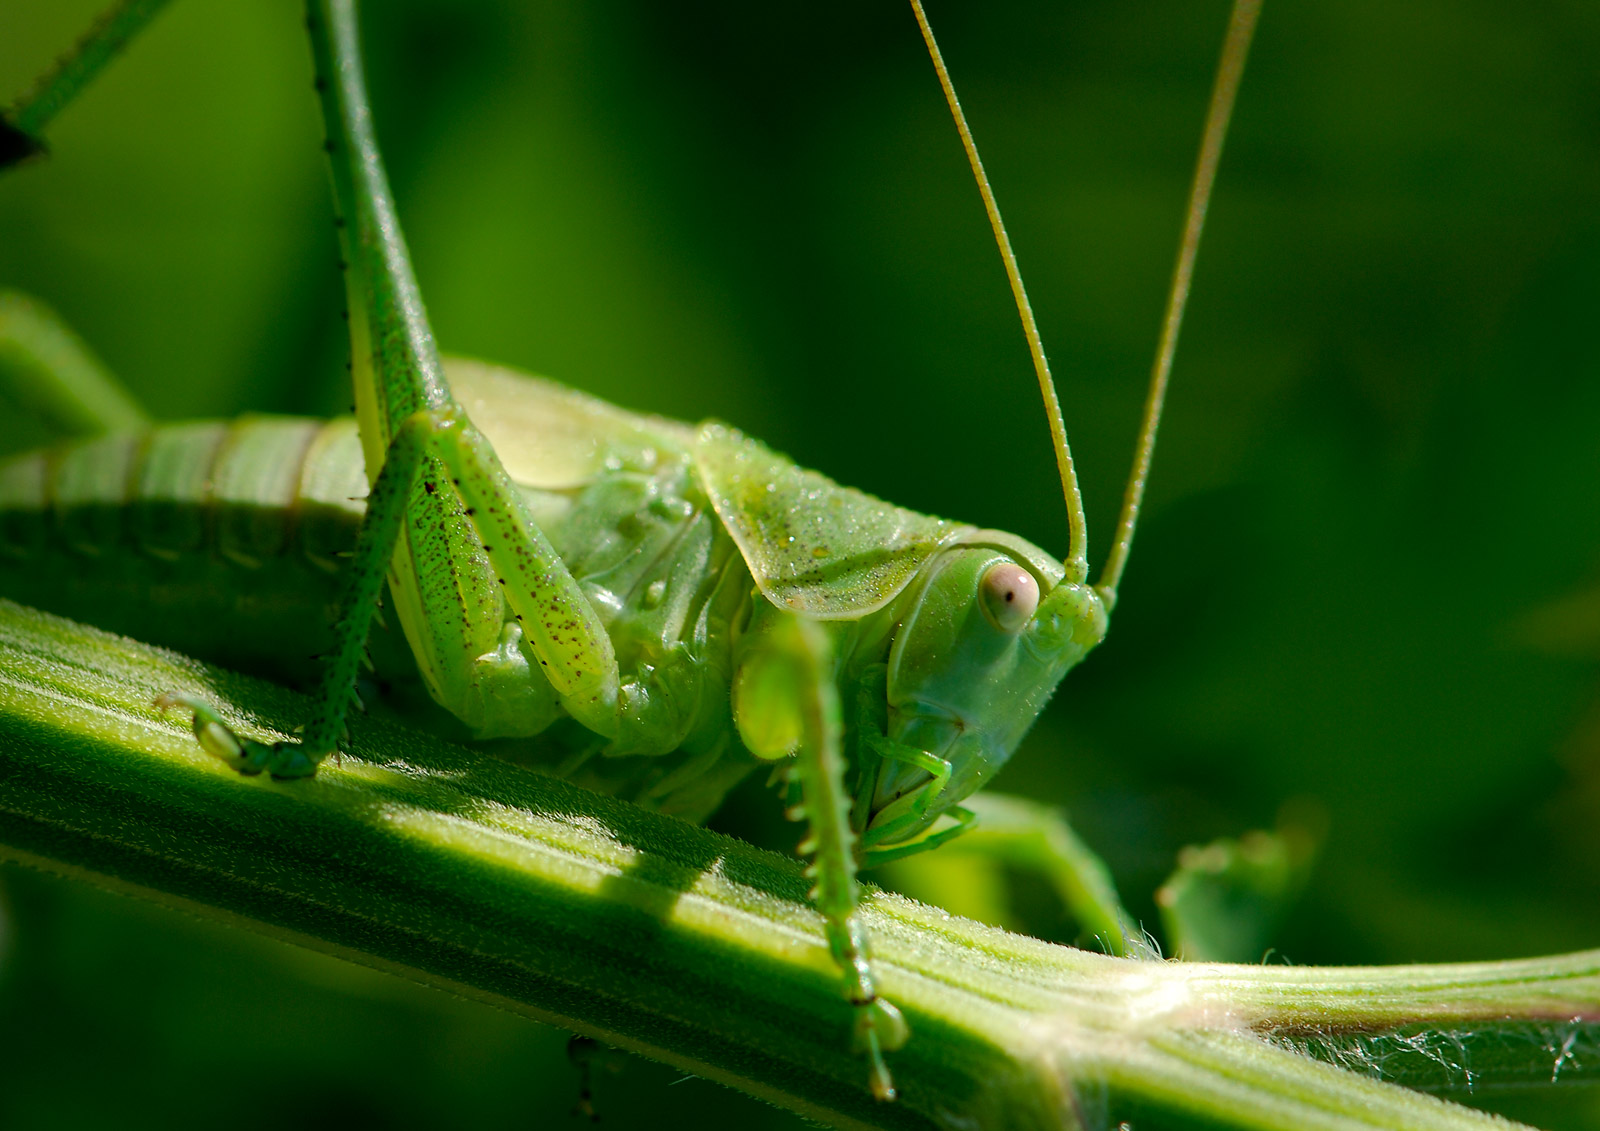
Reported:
(1379, 479)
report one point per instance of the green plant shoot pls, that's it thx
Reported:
(650, 608)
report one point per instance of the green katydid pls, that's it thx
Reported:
(667, 607)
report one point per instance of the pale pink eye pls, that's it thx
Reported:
(1009, 595)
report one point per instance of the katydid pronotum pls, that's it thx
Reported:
(666, 607)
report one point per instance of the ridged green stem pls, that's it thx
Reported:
(458, 870)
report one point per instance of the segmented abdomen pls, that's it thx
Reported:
(221, 539)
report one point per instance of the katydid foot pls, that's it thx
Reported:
(879, 1028)
(283, 760)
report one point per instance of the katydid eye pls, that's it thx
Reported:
(1009, 595)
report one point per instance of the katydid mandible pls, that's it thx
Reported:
(665, 607)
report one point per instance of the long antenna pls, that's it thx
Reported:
(1077, 562)
(1241, 27)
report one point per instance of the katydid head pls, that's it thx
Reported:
(991, 630)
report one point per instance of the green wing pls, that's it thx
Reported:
(812, 546)
(555, 438)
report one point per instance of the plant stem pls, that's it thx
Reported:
(460, 871)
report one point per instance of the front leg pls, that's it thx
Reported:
(1029, 836)
(787, 707)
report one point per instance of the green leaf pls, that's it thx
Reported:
(1227, 899)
